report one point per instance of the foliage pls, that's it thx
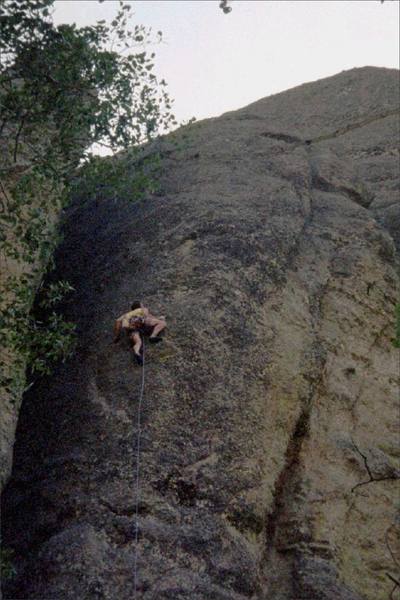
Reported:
(122, 176)
(7, 569)
(64, 90)
(224, 7)
(27, 231)
(95, 88)
(39, 341)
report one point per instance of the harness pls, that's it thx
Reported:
(136, 323)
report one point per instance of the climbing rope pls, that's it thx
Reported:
(138, 428)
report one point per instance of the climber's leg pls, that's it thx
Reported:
(161, 325)
(157, 325)
(136, 346)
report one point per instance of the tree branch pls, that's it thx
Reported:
(17, 138)
(3, 205)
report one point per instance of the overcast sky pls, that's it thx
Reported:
(215, 62)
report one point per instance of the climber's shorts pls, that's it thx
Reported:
(143, 329)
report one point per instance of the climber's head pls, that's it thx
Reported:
(136, 304)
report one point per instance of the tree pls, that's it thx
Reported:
(224, 6)
(63, 90)
(92, 79)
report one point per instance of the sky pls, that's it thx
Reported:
(215, 62)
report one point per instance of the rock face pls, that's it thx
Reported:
(269, 443)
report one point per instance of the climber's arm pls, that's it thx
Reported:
(117, 329)
(149, 315)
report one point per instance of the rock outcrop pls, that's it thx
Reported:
(269, 449)
(41, 207)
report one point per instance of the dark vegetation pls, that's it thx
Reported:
(65, 91)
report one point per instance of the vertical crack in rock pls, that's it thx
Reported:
(286, 538)
(287, 534)
(288, 473)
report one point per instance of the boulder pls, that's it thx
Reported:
(268, 453)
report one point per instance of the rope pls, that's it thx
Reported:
(138, 427)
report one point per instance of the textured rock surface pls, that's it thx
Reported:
(269, 447)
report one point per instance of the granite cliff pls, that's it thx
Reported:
(269, 453)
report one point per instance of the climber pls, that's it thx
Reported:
(137, 322)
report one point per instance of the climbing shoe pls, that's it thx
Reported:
(155, 339)
(138, 358)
